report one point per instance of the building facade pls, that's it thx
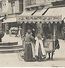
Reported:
(12, 6)
(11, 9)
(0, 7)
(39, 2)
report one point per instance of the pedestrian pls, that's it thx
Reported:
(16, 33)
(29, 46)
(33, 32)
(19, 31)
(39, 41)
(57, 46)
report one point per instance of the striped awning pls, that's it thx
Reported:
(40, 12)
(27, 13)
(51, 15)
(56, 11)
(24, 15)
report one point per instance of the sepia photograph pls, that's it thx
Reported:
(32, 33)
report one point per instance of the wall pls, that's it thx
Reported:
(8, 8)
(30, 2)
(0, 8)
(4, 6)
(13, 8)
(21, 7)
(16, 8)
(40, 1)
(46, 1)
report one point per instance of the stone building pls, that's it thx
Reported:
(12, 6)
(11, 9)
(0, 7)
(39, 2)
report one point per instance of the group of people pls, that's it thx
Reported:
(35, 43)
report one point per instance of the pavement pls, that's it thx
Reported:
(14, 59)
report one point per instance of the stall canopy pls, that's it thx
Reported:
(40, 12)
(25, 14)
(57, 11)
(9, 20)
(56, 14)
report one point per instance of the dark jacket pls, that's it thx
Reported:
(29, 37)
(57, 46)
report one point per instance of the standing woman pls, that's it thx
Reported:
(29, 46)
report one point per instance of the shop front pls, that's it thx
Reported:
(48, 23)
(45, 25)
(25, 23)
(8, 23)
(52, 20)
(57, 11)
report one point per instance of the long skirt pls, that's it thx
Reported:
(28, 56)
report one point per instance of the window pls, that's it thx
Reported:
(33, 2)
(20, 5)
(13, 6)
(27, 2)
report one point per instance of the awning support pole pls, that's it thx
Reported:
(23, 31)
(54, 34)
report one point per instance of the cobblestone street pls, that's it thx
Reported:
(13, 59)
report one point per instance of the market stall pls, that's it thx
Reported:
(42, 23)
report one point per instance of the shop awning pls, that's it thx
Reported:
(40, 12)
(9, 20)
(57, 11)
(27, 13)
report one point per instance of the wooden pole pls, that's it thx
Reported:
(54, 34)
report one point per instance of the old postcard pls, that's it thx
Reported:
(32, 33)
